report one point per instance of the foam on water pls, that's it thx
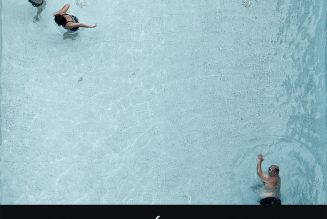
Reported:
(165, 102)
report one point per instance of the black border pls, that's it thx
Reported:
(164, 211)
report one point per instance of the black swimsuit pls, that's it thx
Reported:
(74, 20)
(270, 201)
(36, 4)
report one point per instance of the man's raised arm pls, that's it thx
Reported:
(259, 170)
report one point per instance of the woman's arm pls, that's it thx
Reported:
(72, 25)
(63, 10)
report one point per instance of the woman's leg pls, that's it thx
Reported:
(39, 11)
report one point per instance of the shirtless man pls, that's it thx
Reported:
(271, 191)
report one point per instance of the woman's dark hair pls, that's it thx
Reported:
(60, 20)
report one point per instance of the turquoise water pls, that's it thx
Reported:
(165, 102)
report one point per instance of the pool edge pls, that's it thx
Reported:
(0, 96)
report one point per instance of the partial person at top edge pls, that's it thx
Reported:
(67, 21)
(270, 195)
(40, 5)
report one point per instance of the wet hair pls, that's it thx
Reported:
(60, 20)
(276, 169)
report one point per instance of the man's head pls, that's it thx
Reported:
(273, 170)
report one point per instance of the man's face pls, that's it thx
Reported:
(273, 170)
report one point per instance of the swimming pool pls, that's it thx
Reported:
(165, 102)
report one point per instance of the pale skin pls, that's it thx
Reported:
(271, 181)
(39, 9)
(71, 25)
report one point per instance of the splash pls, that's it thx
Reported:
(81, 3)
(246, 3)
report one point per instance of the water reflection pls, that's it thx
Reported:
(301, 32)
(70, 35)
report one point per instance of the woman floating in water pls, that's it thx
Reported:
(69, 22)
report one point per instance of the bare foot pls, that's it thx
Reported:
(36, 19)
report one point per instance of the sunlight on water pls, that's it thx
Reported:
(164, 102)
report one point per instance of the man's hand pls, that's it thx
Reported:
(260, 158)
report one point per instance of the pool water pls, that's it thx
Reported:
(164, 102)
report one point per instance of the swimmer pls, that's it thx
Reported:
(271, 190)
(40, 5)
(69, 22)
